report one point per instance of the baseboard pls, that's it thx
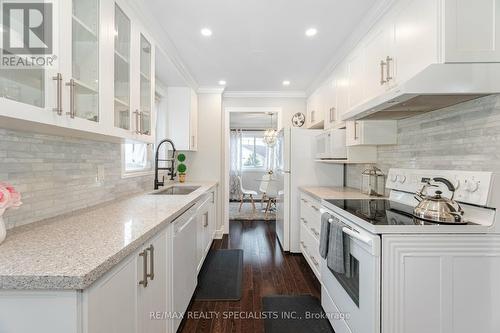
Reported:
(219, 234)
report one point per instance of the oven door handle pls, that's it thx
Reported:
(367, 240)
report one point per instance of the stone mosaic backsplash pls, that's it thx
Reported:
(461, 137)
(57, 175)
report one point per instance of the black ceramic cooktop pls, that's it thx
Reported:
(380, 211)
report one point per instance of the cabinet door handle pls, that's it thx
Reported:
(382, 65)
(315, 262)
(332, 114)
(303, 244)
(303, 220)
(137, 116)
(151, 250)
(192, 141)
(356, 131)
(315, 208)
(58, 107)
(388, 62)
(315, 232)
(144, 281)
(71, 84)
(312, 116)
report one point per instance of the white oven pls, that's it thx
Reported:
(331, 144)
(357, 297)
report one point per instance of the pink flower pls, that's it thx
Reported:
(9, 197)
(4, 198)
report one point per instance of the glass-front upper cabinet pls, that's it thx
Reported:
(145, 86)
(84, 85)
(122, 69)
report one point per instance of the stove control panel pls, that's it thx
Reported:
(470, 187)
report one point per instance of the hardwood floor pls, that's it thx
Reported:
(267, 271)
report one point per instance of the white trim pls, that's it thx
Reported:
(139, 173)
(226, 163)
(162, 41)
(364, 26)
(210, 90)
(265, 94)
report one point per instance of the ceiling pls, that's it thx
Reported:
(257, 44)
(251, 120)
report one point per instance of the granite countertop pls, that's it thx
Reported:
(325, 193)
(70, 252)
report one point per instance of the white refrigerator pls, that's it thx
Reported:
(296, 166)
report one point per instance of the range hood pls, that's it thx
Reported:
(436, 87)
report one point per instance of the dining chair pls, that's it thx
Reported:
(272, 195)
(244, 193)
(264, 183)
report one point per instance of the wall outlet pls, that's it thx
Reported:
(99, 178)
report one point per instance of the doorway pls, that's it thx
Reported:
(248, 162)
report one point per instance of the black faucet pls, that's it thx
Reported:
(171, 169)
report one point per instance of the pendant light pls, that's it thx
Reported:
(271, 135)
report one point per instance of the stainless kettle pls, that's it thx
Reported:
(435, 208)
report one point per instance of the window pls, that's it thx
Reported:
(137, 158)
(254, 151)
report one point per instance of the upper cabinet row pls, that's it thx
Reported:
(102, 81)
(411, 36)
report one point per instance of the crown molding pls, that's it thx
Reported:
(210, 90)
(374, 15)
(162, 40)
(265, 94)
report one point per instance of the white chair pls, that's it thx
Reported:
(264, 183)
(272, 195)
(244, 193)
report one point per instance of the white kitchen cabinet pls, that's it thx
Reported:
(206, 228)
(152, 266)
(371, 132)
(413, 23)
(182, 106)
(342, 88)
(331, 112)
(84, 93)
(113, 296)
(356, 79)
(122, 301)
(472, 31)
(315, 113)
(377, 61)
(434, 277)
(310, 228)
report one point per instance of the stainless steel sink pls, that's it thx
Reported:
(177, 190)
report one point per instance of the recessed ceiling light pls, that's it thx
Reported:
(286, 83)
(206, 32)
(311, 32)
(222, 83)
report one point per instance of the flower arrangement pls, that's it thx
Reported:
(9, 198)
(182, 168)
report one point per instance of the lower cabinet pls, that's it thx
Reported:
(147, 292)
(310, 228)
(124, 299)
(440, 283)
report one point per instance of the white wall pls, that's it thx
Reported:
(206, 163)
(289, 106)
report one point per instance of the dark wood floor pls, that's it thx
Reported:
(267, 271)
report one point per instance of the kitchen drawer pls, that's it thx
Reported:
(310, 211)
(310, 249)
(334, 316)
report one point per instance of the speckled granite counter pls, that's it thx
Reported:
(72, 251)
(325, 193)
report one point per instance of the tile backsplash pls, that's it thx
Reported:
(57, 175)
(462, 137)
